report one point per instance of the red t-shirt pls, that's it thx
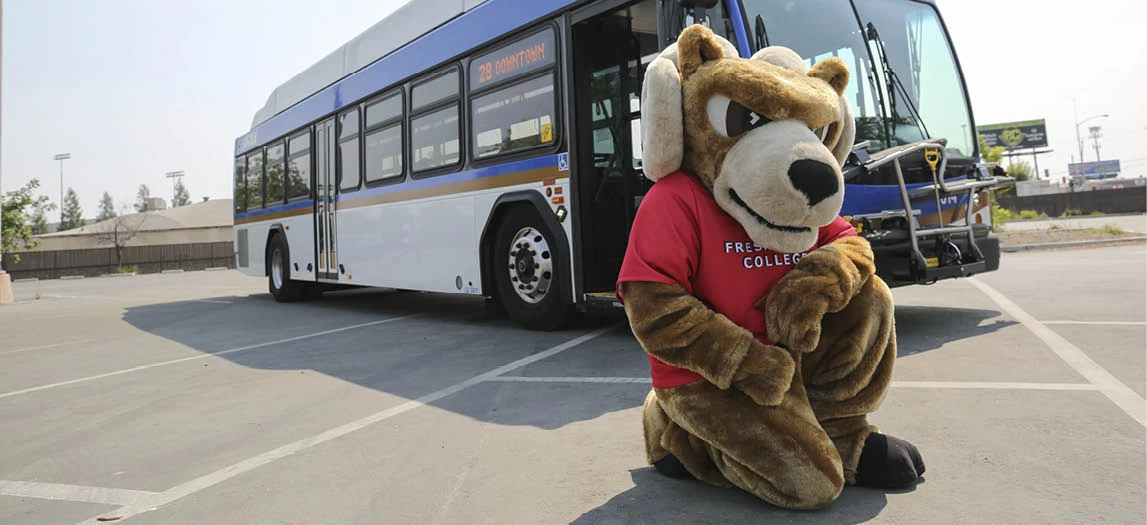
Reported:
(682, 236)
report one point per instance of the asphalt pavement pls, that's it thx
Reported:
(195, 398)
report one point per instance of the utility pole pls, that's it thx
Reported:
(1096, 133)
(175, 176)
(5, 280)
(62, 157)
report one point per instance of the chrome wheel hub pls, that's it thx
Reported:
(531, 265)
(277, 269)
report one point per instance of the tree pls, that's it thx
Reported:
(120, 230)
(107, 208)
(73, 216)
(17, 216)
(181, 198)
(991, 153)
(141, 198)
(1021, 170)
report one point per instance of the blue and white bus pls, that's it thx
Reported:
(492, 147)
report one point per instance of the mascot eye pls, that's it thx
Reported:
(731, 119)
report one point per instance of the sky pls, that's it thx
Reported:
(133, 89)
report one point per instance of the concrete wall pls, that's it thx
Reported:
(52, 264)
(1124, 200)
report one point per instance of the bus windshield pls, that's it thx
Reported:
(895, 92)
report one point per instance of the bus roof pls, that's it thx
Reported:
(404, 25)
(419, 35)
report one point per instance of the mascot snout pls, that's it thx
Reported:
(782, 184)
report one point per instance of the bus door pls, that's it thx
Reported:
(326, 187)
(611, 48)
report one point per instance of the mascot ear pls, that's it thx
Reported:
(662, 112)
(841, 134)
(662, 117)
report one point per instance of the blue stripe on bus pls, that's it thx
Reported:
(733, 8)
(479, 173)
(490, 20)
(861, 199)
(282, 207)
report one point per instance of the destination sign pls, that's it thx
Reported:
(525, 55)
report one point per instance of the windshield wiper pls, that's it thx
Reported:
(894, 82)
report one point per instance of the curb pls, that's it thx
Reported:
(26, 280)
(1070, 244)
(132, 274)
(70, 277)
(172, 271)
(215, 269)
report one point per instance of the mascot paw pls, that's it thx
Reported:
(794, 323)
(888, 463)
(672, 467)
(765, 374)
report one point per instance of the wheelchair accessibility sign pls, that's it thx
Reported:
(563, 161)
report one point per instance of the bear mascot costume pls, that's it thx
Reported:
(769, 336)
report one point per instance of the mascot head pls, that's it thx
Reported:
(767, 135)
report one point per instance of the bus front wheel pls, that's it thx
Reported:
(529, 271)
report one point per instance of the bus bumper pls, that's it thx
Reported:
(898, 266)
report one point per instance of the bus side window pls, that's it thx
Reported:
(299, 166)
(255, 179)
(383, 139)
(240, 184)
(435, 124)
(348, 161)
(515, 117)
(275, 190)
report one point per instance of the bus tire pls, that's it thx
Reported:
(529, 271)
(279, 282)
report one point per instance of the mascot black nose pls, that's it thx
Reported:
(815, 179)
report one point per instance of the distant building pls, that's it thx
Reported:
(208, 221)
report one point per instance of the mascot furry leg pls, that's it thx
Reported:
(800, 453)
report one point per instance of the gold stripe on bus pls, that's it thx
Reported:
(305, 210)
(485, 183)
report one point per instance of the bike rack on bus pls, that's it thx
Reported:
(938, 187)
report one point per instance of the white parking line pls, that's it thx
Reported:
(61, 492)
(1122, 395)
(200, 356)
(44, 347)
(524, 379)
(249, 464)
(1115, 323)
(970, 385)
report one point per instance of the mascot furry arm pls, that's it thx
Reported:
(769, 335)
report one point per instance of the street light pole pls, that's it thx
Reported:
(6, 296)
(62, 157)
(1078, 139)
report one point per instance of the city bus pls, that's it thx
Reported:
(493, 148)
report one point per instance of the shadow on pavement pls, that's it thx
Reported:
(451, 339)
(661, 500)
(921, 329)
(448, 340)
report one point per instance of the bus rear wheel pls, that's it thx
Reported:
(279, 282)
(529, 271)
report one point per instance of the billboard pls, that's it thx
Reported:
(1015, 135)
(1094, 170)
